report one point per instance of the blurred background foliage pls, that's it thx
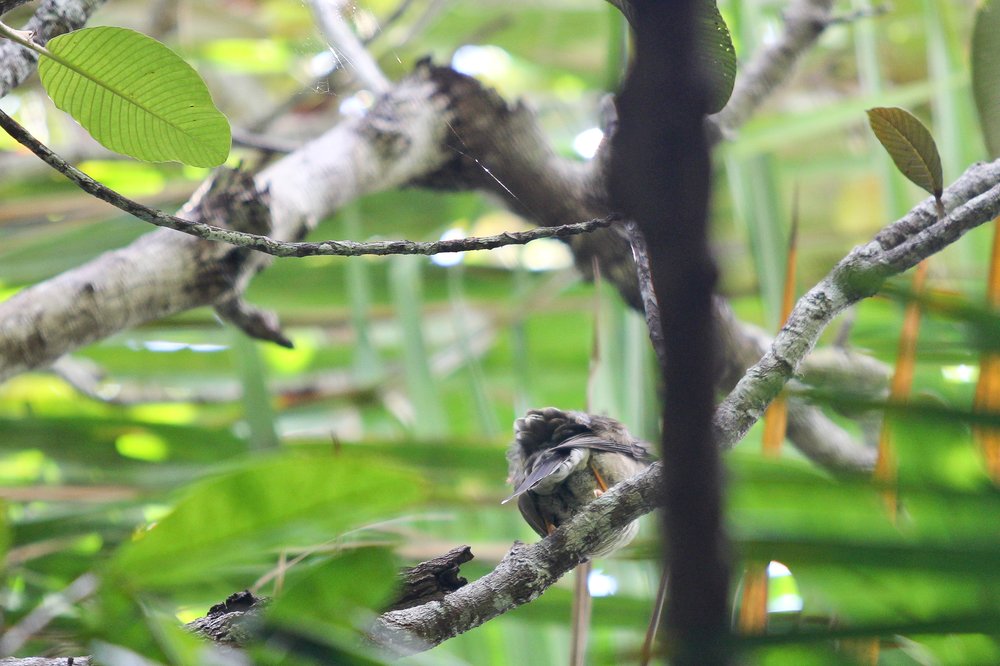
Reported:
(182, 462)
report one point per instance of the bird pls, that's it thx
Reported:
(561, 460)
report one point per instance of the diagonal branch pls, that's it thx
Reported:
(974, 199)
(523, 574)
(278, 248)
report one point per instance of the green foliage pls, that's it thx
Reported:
(322, 613)
(382, 410)
(135, 96)
(227, 522)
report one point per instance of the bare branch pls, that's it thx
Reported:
(277, 248)
(650, 307)
(16, 636)
(263, 143)
(974, 199)
(345, 45)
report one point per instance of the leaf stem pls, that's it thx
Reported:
(24, 38)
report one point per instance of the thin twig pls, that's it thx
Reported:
(52, 607)
(345, 45)
(267, 245)
(650, 306)
(264, 143)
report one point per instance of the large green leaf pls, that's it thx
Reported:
(910, 145)
(232, 519)
(135, 96)
(986, 73)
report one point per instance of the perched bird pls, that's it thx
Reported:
(561, 460)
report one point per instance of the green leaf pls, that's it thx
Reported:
(135, 96)
(910, 145)
(985, 67)
(340, 593)
(326, 606)
(122, 626)
(231, 520)
(716, 53)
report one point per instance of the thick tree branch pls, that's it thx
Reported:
(399, 139)
(973, 199)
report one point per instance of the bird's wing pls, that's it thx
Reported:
(636, 448)
(550, 462)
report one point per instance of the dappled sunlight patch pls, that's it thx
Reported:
(960, 374)
(7, 292)
(44, 395)
(357, 105)
(172, 413)
(292, 361)
(450, 258)
(26, 466)
(783, 592)
(142, 445)
(133, 179)
(251, 56)
(171, 346)
(491, 63)
(601, 584)
(586, 142)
